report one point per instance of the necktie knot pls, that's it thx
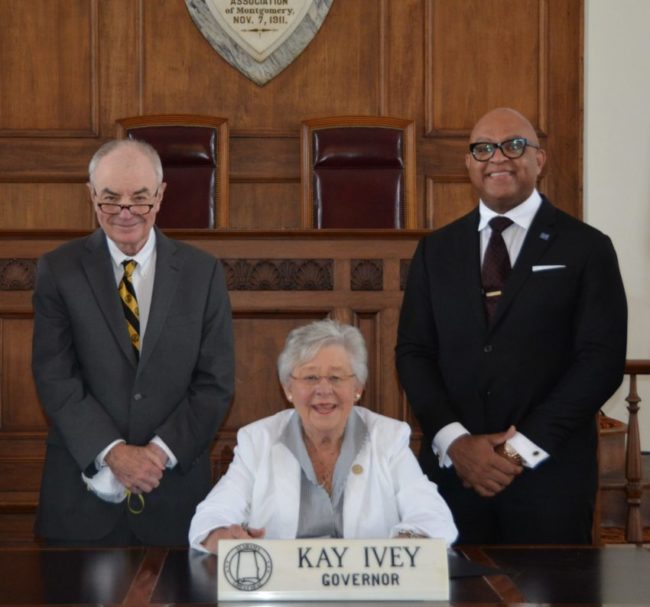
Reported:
(129, 267)
(498, 224)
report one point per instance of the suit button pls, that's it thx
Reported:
(137, 396)
(487, 349)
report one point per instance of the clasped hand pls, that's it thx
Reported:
(479, 466)
(139, 469)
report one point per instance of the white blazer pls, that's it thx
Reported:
(262, 487)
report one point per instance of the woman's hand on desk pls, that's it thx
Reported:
(233, 532)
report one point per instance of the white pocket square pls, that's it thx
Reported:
(547, 268)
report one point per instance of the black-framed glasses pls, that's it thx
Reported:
(511, 148)
(140, 204)
(313, 380)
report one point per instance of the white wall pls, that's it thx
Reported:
(617, 162)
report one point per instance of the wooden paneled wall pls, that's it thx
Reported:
(70, 68)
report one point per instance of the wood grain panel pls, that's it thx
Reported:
(447, 200)
(338, 73)
(261, 157)
(405, 43)
(264, 205)
(21, 475)
(48, 77)
(18, 385)
(45, 160)
(564, 81)
(16, 529)
(120, 69)
(482, 54)
(45, 206)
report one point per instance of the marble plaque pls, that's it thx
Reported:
(259, 37)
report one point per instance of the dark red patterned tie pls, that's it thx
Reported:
(496, 265)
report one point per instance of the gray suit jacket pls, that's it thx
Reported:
(94, 391)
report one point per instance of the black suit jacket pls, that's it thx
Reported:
(94, 391)
(553, 355)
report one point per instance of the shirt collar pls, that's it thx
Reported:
(142, 257)
(522, 214)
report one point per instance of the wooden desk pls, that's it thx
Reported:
(155, 576)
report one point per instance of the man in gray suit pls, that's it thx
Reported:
(135, 381)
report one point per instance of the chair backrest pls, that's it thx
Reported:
(358, 172)
(194, 155)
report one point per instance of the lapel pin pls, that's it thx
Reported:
(357, 469)
(544, 235)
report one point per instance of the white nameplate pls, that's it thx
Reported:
(408, 569)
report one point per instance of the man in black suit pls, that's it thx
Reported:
(135, 381)
(505, 376)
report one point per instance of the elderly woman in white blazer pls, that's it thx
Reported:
(326, 468)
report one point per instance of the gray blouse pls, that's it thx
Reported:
(321, 514)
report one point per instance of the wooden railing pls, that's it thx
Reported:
(633, 461)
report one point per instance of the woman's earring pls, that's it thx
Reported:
(357, 396)
(289, 397)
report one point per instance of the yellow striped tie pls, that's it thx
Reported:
(130, 305)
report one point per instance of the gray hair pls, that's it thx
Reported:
(305, 342)
(114, 144)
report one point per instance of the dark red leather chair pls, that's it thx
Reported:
(358, 172)
(194, 154)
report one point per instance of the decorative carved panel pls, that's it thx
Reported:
(366, 275)
(17, 274)
(278, 275)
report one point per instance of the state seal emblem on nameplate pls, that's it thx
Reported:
(260, 38)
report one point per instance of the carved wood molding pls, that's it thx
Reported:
(279, 274)
(17, 274)
(249, 274)
(366, 275)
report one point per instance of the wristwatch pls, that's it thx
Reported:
(509, 452)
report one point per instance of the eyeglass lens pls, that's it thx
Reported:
(511, 148)
(111, 208)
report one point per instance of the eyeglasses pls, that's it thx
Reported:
(510, 148)
(312, 381)
(141, 204)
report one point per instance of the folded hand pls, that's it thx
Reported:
(479, 466)
(139, 469)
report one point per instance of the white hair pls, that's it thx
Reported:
(305, 342)
(114, 144)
